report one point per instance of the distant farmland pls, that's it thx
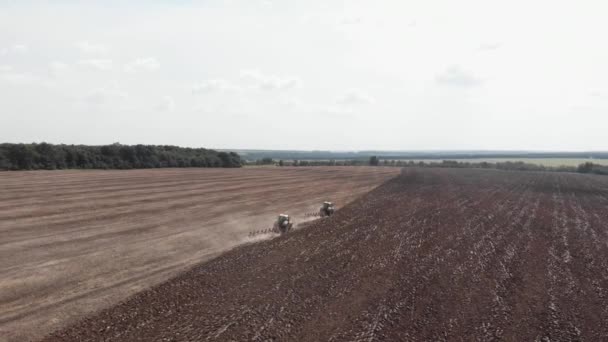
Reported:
(549, 162)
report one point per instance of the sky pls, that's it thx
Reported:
(314, 74)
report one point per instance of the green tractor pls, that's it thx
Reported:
(327, 209)
(283, 224)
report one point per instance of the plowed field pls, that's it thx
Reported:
(72, 242)
(432, 255)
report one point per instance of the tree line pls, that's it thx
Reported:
(593, 168)
(254, 155)
(281, 162)
(587, 167)
(44, 156)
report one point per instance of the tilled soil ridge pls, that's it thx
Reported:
(442, 254)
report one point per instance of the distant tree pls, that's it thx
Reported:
(22, 156)
(589, 167)
(374, 161)
(5, 164)
(225, 159)
(45, 156)
(281, 162)
(585, 167)
(267, 161)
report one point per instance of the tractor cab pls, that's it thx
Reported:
(327, 209)
(283, 223)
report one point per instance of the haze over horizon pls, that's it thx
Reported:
(307, 75)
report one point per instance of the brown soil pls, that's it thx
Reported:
(433, 255)
(73, 242)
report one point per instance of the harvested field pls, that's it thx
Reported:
(72, 242)
(436, 254)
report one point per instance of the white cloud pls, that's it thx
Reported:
(290, 102)
(57, 67)
(598, 92)
(97, 64)
(250, 79)
(353, 26)
(19, 78)
(209, 86)
(205, 109)
(15, 49)
(142, 64)
(20, 48)
(106, 94)
(167, 104)
(347, 103)
(338, 111)
(23, 78)
(489, 46)
(91, 48)
(456, 76)
(268, 82)
(355, 97)
(351, 20)
(9, 75)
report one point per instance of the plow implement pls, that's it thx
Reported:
(315, 214)
(272, 230)
(285, 223)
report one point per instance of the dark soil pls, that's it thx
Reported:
(432, 255)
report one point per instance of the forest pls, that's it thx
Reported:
(44, 156)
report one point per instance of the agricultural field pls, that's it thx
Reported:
(547, 162)
(432, 255)
(73, 242)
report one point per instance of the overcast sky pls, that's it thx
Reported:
(341, 75)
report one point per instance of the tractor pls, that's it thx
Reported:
(283, 224)
(327, 209)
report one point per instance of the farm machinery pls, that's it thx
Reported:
(283, 224)
(327, 209)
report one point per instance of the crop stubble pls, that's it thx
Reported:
(72, 242)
